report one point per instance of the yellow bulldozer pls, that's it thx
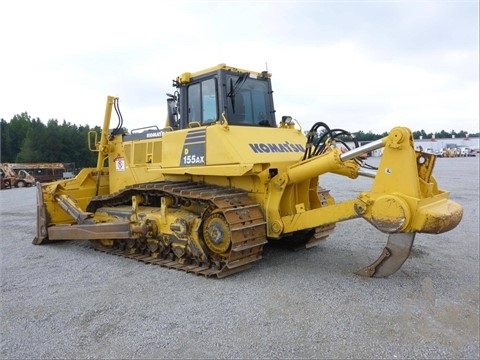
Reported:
(207, 191)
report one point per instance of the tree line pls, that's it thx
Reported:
(28, 140)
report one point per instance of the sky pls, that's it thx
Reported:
(355, 65)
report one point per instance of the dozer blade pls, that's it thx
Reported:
(392, 257)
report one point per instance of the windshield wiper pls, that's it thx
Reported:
(235, 88)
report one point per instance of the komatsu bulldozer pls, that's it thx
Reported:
(208, 190)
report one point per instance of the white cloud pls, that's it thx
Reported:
(341, 84)
(359, 67)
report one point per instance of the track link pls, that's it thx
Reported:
(244, 217)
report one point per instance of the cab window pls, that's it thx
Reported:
(202, 102)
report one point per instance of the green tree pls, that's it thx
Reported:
(420, 134)
(6, 153)
(28, 152)
(362, 136)
(16, 132)
(442, 135)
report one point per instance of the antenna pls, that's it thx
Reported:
(266, 66)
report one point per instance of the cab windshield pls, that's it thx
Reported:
(247, 100)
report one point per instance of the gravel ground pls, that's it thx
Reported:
(67, 301)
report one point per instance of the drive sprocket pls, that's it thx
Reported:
(217, 234)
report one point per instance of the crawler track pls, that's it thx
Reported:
(244, 217)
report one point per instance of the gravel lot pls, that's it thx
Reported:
(67, 301)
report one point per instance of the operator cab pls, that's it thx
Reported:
(221, 93)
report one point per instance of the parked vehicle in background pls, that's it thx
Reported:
(2, 183)
(464, 151)
(46, 172)
(449, 152)
(11, 178)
